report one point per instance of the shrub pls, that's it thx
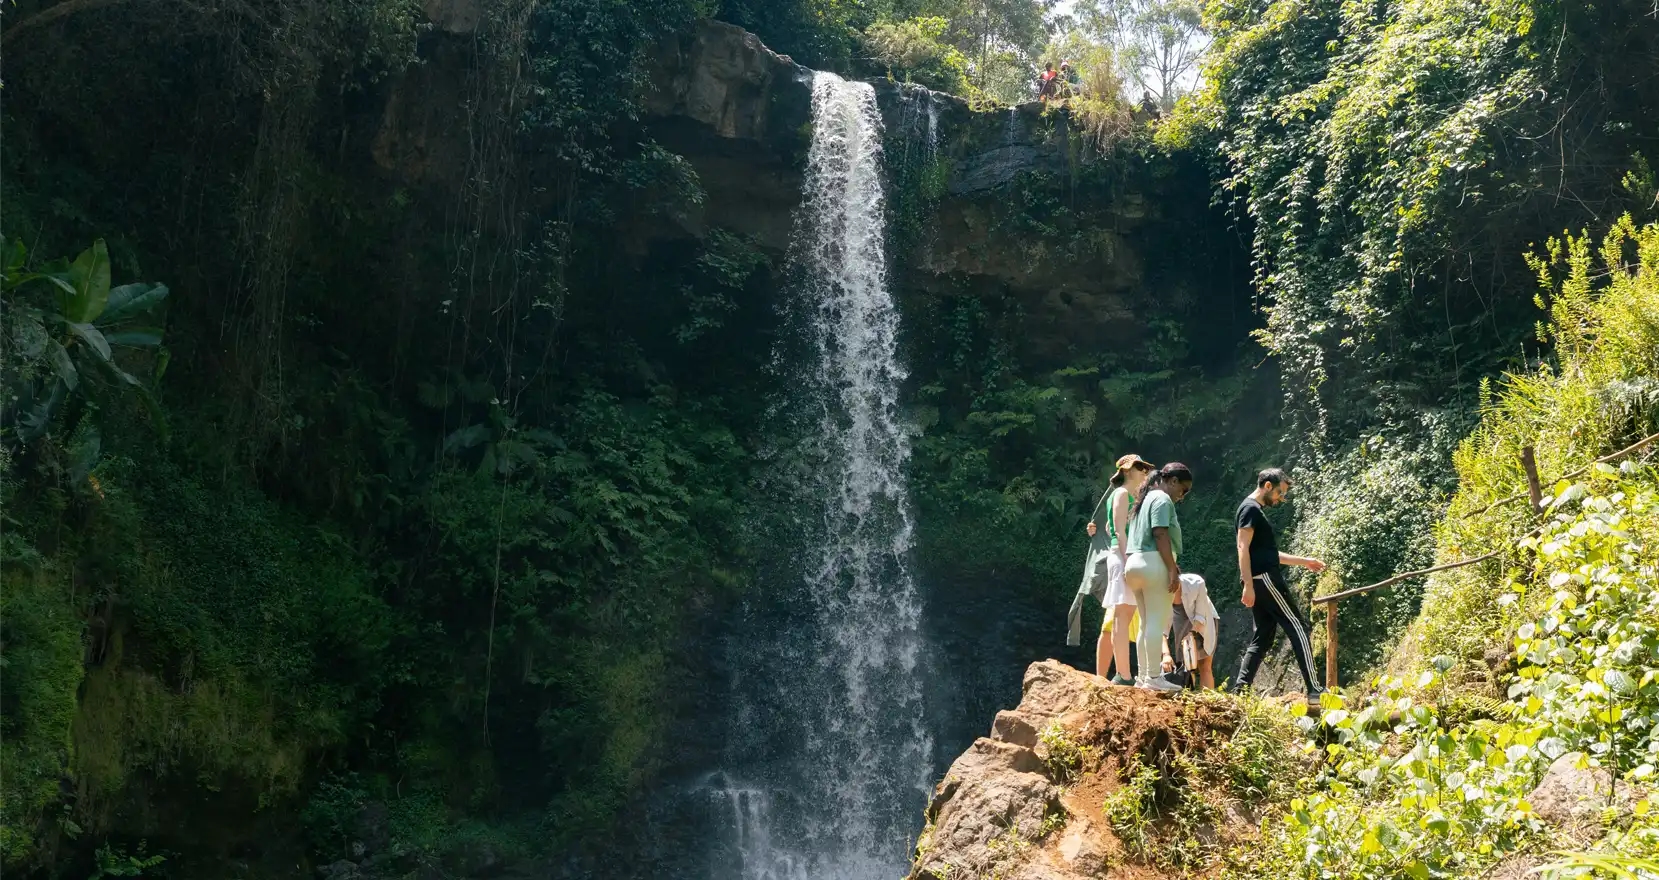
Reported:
(1370, 514)
(1132, 809)
(915, 51)
(1604, 323)
(40, 632)
(1409, 790)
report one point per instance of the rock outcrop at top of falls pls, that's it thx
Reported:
(1015, 204)
(1087, 780)
(741, 116)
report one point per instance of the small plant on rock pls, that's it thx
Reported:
(1131, 809)
(1064, 757)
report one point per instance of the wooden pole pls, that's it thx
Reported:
(1638, 446)
(1330, 644)
(1535, 492)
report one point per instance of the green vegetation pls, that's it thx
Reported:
(407, 494)
(402, 532)
(1131, 809)
(1396, 161)
(1064, 758)
(1411, 787)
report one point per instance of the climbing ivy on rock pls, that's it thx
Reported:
(1396, 159)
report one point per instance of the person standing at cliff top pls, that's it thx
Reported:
(1046, 83)
(1151, 570)
(1261, 569)
(1103, 569)
(1069, 84)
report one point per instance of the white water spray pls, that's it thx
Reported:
(846, 791)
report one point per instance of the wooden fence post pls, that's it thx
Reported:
(1330, 644)
(1535, 491)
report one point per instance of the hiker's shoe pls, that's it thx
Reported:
(1162, 685)
(1122, 682)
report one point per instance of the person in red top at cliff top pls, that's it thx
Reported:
(1046, 83)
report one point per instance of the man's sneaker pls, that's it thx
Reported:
(1161, 684)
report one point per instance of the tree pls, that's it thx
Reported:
(914, 51)
(1001, 39)
(1158, 43)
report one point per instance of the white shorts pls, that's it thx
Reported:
(1117, 592)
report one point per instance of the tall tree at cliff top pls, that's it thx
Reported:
(1397, 159)
(1157, 43)
(1000, 36)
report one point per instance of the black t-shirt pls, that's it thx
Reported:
(1264, 548)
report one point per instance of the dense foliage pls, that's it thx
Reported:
(1431, 777)
(1395, 161)
(416, 518)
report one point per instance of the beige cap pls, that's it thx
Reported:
(1133, 460)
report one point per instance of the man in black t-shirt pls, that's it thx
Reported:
(1265, 593)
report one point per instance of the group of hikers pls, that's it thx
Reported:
(1133, 570)
(1063, 83)
(1057, 85)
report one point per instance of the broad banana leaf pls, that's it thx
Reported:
(88, 279)
(132, 300)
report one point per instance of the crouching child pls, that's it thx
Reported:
(1194, 629)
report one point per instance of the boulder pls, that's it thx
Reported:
(1051, 689)
(1570, 795)
(1014, 726)
(993, 792)
(994, 800)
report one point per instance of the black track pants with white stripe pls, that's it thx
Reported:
(1273, 609)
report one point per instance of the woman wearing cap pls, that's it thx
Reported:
(1112, 538)
(1151, 570)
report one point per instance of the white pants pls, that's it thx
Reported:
(1148, 578)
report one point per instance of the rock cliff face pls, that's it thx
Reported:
(742, 115)
(1098, 255)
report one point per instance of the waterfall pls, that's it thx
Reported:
(828, 735)
(932, 126)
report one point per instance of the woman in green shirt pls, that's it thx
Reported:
(1108, 549)
(1151, 571)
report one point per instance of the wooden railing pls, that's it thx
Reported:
(1534, 495)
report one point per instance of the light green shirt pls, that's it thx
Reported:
(1158, 510)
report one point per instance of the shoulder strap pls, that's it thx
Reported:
(1094, 515)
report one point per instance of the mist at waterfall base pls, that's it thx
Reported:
(853, 673)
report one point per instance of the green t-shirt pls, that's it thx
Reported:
(1158, 510)
(1106, 533)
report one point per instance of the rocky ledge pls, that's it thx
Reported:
(1088, 780)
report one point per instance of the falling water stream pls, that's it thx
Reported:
(829, 759)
